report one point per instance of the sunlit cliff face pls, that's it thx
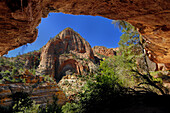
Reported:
(63, 53)
(19, 19)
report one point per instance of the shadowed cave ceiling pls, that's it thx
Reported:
(19, 19)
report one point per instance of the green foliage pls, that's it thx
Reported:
(112, 81)
(2, 61)
(6, 73)
(70, 108)
(48, 78)
(33, 109)
(119, 68)
(14, 71)
(33, 71)
(18, 63)
(131, 48)
(130, 51)
(51, 108)
(12, 68)
(21, 101)
(85, 59)
(9, 76)
(107, 85)
(116, 77)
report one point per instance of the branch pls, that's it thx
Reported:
(150, 82)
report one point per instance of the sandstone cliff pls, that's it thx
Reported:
(39, 90)
(67, 53)
(64, 55)
(101, 51)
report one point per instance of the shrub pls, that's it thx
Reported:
(51, 108)
(105, 87)
(70, 108)
(14, 71)
(21, 101)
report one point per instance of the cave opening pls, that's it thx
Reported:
(97, 30)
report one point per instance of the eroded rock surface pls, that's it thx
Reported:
(66, 54)
(39, 90)
(19, 19)
(101, 51)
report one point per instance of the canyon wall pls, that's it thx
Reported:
(19, 19)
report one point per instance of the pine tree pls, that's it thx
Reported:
(131, 48)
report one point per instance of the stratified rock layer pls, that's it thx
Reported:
(66, 54)
(19, 19)
(39, 91)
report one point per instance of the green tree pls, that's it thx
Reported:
(131, 48)
(2, 61)
(14, 71)
(106, 87)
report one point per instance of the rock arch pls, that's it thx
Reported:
(68, 67)
(152, 18)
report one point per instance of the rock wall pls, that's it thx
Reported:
(40, 93)
(100, 51)
(68, 53)
(19, 19)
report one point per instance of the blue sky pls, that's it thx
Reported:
(98, 31)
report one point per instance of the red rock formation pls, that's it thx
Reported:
(167, 66)
(65, 53)
(40, 93)
(100, 51)
(19, 19)
(162, 67)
